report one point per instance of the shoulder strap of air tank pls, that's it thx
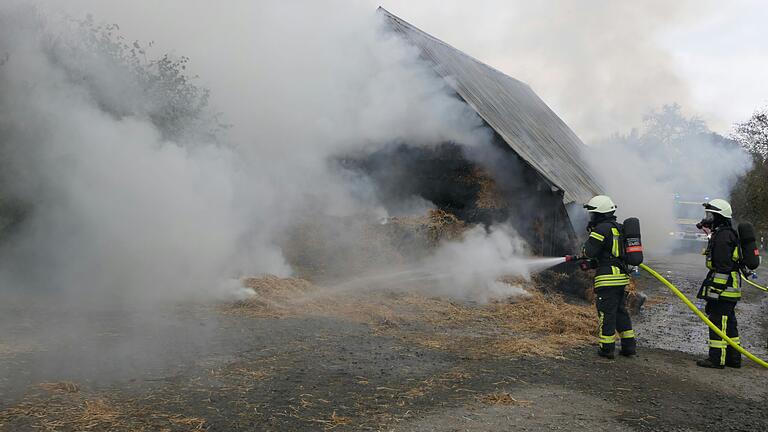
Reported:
(620, 259)
(728, 228)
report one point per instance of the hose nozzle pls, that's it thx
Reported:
(571, 258)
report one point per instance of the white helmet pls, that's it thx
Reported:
(600, 204)
(719, 206)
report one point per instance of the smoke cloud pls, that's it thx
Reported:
(669, 156)
(600, 65)
(123, 205)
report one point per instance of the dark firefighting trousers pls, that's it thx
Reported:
(612, 316)
(722, 314)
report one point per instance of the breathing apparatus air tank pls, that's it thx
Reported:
(633, 246)
(750, 255)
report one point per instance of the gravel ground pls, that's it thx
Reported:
(193, 368)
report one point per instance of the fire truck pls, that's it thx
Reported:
(688, 212)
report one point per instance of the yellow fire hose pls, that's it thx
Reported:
(746, 279)
(703, 317)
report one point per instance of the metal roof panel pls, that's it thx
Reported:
(512, 109)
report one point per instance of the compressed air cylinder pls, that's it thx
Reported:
(750, 255)
(633, 246)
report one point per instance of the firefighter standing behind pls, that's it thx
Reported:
(721, 288)
(605, 251)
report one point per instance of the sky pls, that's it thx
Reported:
(599, 64)
(718, 50)
(724, 57)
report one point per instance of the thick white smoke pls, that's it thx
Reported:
(669, 156)
(600, 64)
(470, 268)
(121, 209)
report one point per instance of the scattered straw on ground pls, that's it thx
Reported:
(66, 406)
(502, 398)
(540, 324)
(61, 386)
(333, 421)
(17, 348)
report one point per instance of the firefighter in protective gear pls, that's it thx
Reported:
(604, 250)
(721, 288)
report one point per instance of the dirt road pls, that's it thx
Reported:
(193, 367)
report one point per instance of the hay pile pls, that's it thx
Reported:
(322, 247)
(540, 324)
(489, 196)
(277, 297)
(327, 248)
(429, 230)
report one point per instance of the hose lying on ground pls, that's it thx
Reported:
(703, 317)
(760, 287)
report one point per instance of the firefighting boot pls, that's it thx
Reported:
(707, 363)
(732, 358)
(607, 350)
(628, 347)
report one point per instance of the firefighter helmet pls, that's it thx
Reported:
(600, 204)
(719, 206)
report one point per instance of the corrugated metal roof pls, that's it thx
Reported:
(513, 110)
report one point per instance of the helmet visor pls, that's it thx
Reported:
(710, 207)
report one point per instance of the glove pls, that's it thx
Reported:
(588, 264)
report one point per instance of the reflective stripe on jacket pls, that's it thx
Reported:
(722, 259)
(603, 245)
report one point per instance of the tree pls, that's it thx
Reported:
(121, 78)
(668, 127)
(95, 55)
(749, 196)
(680, 152)
(753, 134)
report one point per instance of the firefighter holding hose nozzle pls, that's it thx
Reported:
(604, 251)
(721, 288)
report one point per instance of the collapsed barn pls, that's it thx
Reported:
(533, 171)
